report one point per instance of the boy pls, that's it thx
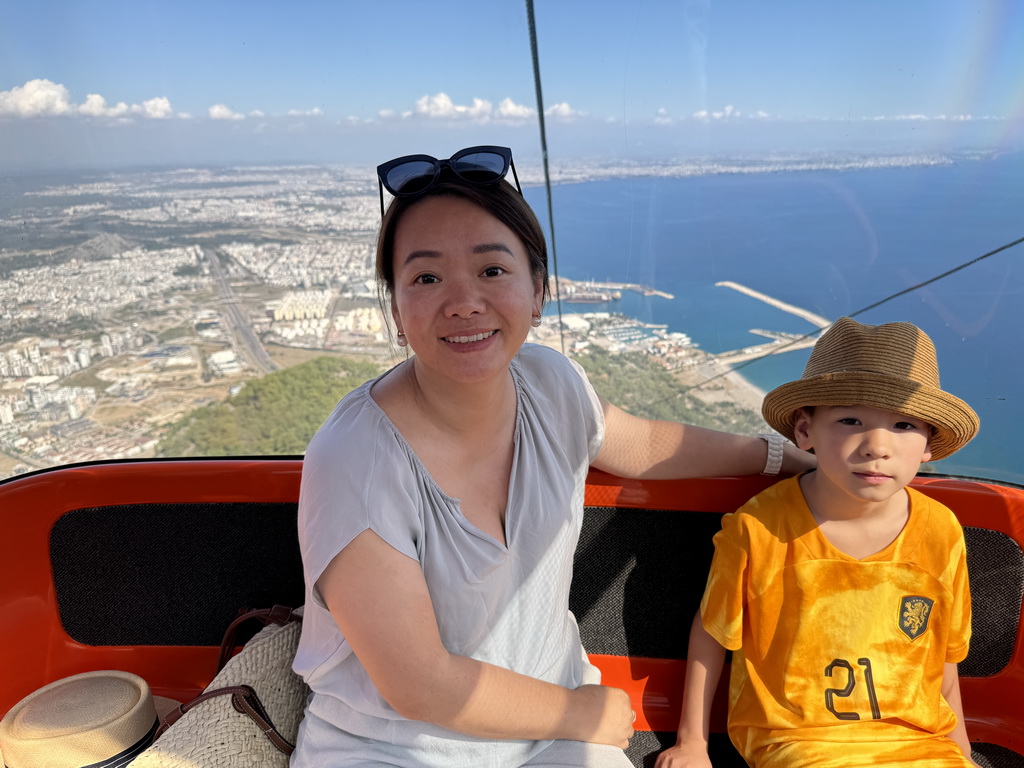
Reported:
(842, 594)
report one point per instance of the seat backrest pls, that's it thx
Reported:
(140, 566)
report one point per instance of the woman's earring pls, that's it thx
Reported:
(402, 341)
(535, 322)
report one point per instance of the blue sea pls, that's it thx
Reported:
(832, 242)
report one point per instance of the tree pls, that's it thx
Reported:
(275, 415)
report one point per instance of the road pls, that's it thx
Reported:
(236, 321)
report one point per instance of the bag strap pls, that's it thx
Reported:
(245, 700)
(279, 614)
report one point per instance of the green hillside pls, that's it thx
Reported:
(278, 414)
(275, 415)
(640, 386)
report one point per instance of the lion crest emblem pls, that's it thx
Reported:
(914, 614)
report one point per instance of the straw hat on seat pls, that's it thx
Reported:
(95, 719)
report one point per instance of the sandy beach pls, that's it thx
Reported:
(727, 386)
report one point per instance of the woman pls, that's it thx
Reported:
(442, 501)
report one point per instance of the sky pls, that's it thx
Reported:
(108, 83)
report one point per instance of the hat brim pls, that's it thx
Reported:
(164, 705)
(955, 423)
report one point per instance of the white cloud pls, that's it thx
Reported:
(223, 112)
(509, 110)
(158, 108)
(662, 117)
(257, 113)
(37, 98)
(911, 117)
(314, 112)
(562, 111)
(726, 113)
(441, 107)
(480, 111)
(730, 113)
(44, 98)
(96, 106)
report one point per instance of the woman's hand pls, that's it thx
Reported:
(606, 716)
(684, 755)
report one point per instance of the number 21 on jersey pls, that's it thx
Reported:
(831, 694)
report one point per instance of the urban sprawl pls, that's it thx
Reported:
(130, 300)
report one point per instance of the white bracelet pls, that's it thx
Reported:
(774, 462)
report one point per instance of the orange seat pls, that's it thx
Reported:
(141, 565)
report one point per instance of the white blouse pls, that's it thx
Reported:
(506, 605)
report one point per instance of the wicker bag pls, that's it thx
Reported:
(249, 714)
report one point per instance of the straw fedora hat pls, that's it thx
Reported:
(95, 719)
(891, 366)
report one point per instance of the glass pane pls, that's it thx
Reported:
(188, 204)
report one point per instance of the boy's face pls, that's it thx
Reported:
(868, 453)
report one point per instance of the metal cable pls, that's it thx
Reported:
(861, 311)
(544, 154)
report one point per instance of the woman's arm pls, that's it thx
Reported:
(380, 601)
(951, 693)
(663, 450)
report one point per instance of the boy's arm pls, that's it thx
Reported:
(704, 661)
(951, 693)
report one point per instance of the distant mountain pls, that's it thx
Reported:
(103, 246)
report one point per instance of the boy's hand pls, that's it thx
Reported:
(684, 755)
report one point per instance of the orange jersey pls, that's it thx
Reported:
(838, 661)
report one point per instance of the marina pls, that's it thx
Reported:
(594, 292)
(627, 333)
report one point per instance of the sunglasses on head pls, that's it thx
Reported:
(415, 174)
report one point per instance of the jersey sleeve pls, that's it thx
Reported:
(722, 606)
(960, 617)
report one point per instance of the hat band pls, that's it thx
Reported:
(124, 758)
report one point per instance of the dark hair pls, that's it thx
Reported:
(501, 200)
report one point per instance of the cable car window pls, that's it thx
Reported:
(188, 205)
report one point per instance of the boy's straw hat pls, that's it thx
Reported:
(891, 366)
(95, 719)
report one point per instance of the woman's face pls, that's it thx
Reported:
(464, 294)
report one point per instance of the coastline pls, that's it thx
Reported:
(728, 386)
